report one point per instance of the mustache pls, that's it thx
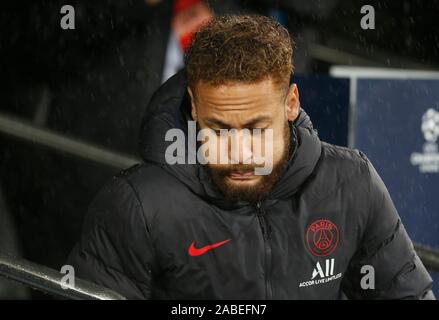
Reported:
(224, 170)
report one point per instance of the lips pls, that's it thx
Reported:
(242, 175)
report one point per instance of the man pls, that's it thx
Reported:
(320, 225)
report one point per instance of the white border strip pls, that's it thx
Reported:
(381, 73)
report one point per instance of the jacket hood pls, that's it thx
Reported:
(169, 108)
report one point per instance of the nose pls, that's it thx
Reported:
(240, 147)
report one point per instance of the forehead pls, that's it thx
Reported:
(237, 98)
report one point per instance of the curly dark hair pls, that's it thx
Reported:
(239, 48)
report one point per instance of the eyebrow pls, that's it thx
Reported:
(248, 124)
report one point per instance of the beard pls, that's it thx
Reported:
(254, 192)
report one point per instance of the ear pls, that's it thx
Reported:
(193, 108)
(292, 103)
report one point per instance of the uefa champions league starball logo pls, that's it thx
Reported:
(428, 161)
(430, 125)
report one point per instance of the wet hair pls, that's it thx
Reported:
(239, 48)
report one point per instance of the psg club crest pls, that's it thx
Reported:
(322, 237)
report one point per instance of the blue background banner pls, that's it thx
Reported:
(397, 127)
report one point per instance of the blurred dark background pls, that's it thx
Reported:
(93, 84)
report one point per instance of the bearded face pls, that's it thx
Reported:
(258, 107)
(238, 182)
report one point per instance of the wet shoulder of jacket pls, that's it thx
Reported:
(383, 242)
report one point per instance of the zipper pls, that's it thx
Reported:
(266, 233)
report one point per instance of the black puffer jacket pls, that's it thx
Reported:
(165, 231)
